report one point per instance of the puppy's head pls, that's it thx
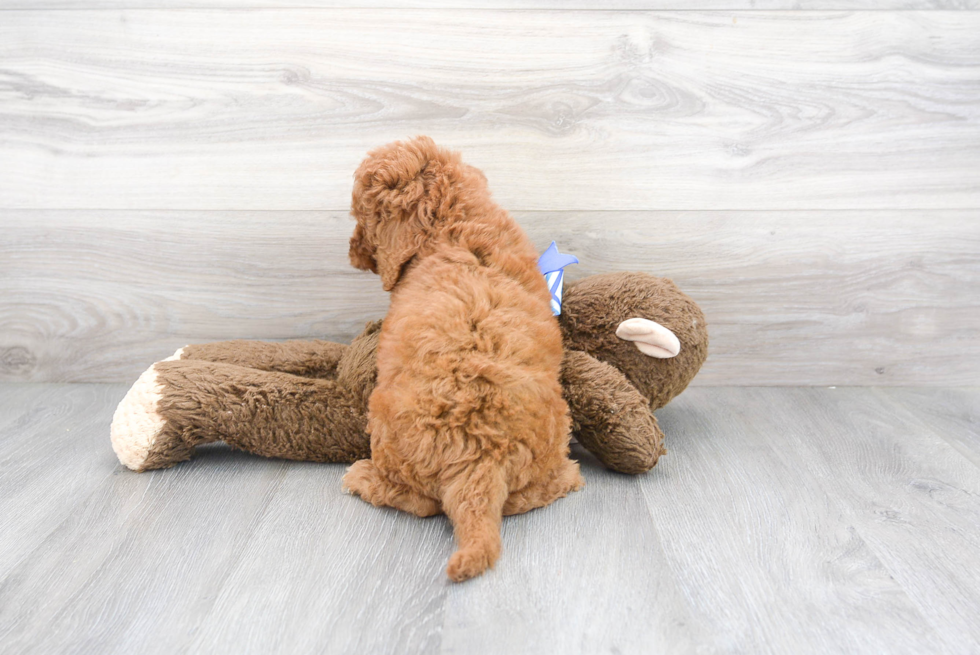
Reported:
(404, 194)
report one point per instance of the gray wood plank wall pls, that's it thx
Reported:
(812, 178)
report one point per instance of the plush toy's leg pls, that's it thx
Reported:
(609, 415)
(365, 480)
(177, 405)
(311, 359)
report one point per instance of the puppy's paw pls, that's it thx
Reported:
(360, 479)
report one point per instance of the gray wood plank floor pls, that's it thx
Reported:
(784, 520)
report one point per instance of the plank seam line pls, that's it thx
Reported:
(498, 10)
(510, 209)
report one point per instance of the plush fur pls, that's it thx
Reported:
(278, 413)
(303, 400)
(593, 308)
(467, 417)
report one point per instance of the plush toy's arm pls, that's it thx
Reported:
(310, 359)
(609, 415)
(177, 405)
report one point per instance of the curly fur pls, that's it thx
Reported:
(467, 417)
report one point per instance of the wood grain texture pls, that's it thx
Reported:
(911, 496)
(792, 298)
(764, 551)
(806, 298)
(781, 520)
(954, 414)
(317, 576)
(584, 575)
(592, 5)
(53, 454)
(102, 295)
(219, 109)
(130, 564)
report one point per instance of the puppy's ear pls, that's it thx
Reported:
(361, 251)
(392, 258)
(398, 189)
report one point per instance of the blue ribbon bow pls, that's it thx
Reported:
(551, 264)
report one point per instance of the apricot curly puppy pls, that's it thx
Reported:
(467, 417)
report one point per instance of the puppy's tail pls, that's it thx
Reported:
(474, 502)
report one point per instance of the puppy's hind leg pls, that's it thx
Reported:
(568, 478)
(474, 502)
(367, 481)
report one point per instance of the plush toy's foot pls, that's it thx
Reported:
(137, 425)
(176, 406)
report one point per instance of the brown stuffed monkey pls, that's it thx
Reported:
(632, 342)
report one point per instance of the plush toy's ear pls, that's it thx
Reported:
(649, 337)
